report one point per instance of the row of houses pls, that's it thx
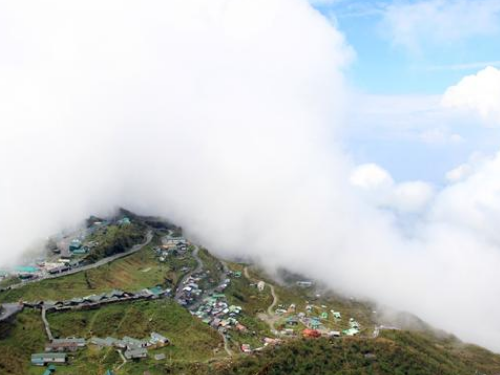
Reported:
(133, 348)
(65, 345)
(56, 350)
(100, 299)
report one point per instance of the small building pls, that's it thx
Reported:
(261, 285)
(334, 334)
(134, 343)
(42, 359)
(159, 357)
(103, 343)
(51, 369)
(75, 245)
(246, 348)
(350, 332)
(159, 340)
(315, 324)
(62, 345)
(311, 333)
(136, 353)
(124, 221)
(305, 284)
(60, 269)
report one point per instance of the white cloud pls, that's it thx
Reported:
(370, 177)
(472, 203)
(224, 117)
(458, 173)
(479, 92)
(413, 24)
(377, 185)
(465, 66)
(440, 136)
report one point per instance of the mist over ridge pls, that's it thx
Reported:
(225, 118)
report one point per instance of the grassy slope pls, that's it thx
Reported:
(114, 239)
(196, 345)
(192, 340)
(19, 340)
(402, 353)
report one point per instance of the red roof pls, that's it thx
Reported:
(311, 333)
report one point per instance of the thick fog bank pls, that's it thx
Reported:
(223, 117)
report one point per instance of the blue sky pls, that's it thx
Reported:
(407, 54)
(383, 66)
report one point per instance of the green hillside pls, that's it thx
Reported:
(267, 310)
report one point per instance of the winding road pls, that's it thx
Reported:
(134, 249)
(198, 269)
(270, 318)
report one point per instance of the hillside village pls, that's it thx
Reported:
(243, 311)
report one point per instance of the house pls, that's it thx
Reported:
(353, 323)
(289, 332)
(350, 332)
(107, 342)
(41, 359)
(75, 244)
(270, 341)
(62, 345)
(241, 328)
(311, 333)
(245, 348)
(261, 285)
(136, 353)
(157, 339)
(304, 284)
(336, 315)
(59, 269)
(80, 251)
(124, 221)
(315, 323)
(132, 343)
(333, 334)
(51, 369)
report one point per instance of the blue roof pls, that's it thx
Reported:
(26, 269)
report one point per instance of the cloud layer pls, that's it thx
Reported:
(478, 92)
(410, 24)
(225, 118)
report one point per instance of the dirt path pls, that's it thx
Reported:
(270, 311)
(46, 324)
(268, 318)
(123, 359)
(226, 344)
